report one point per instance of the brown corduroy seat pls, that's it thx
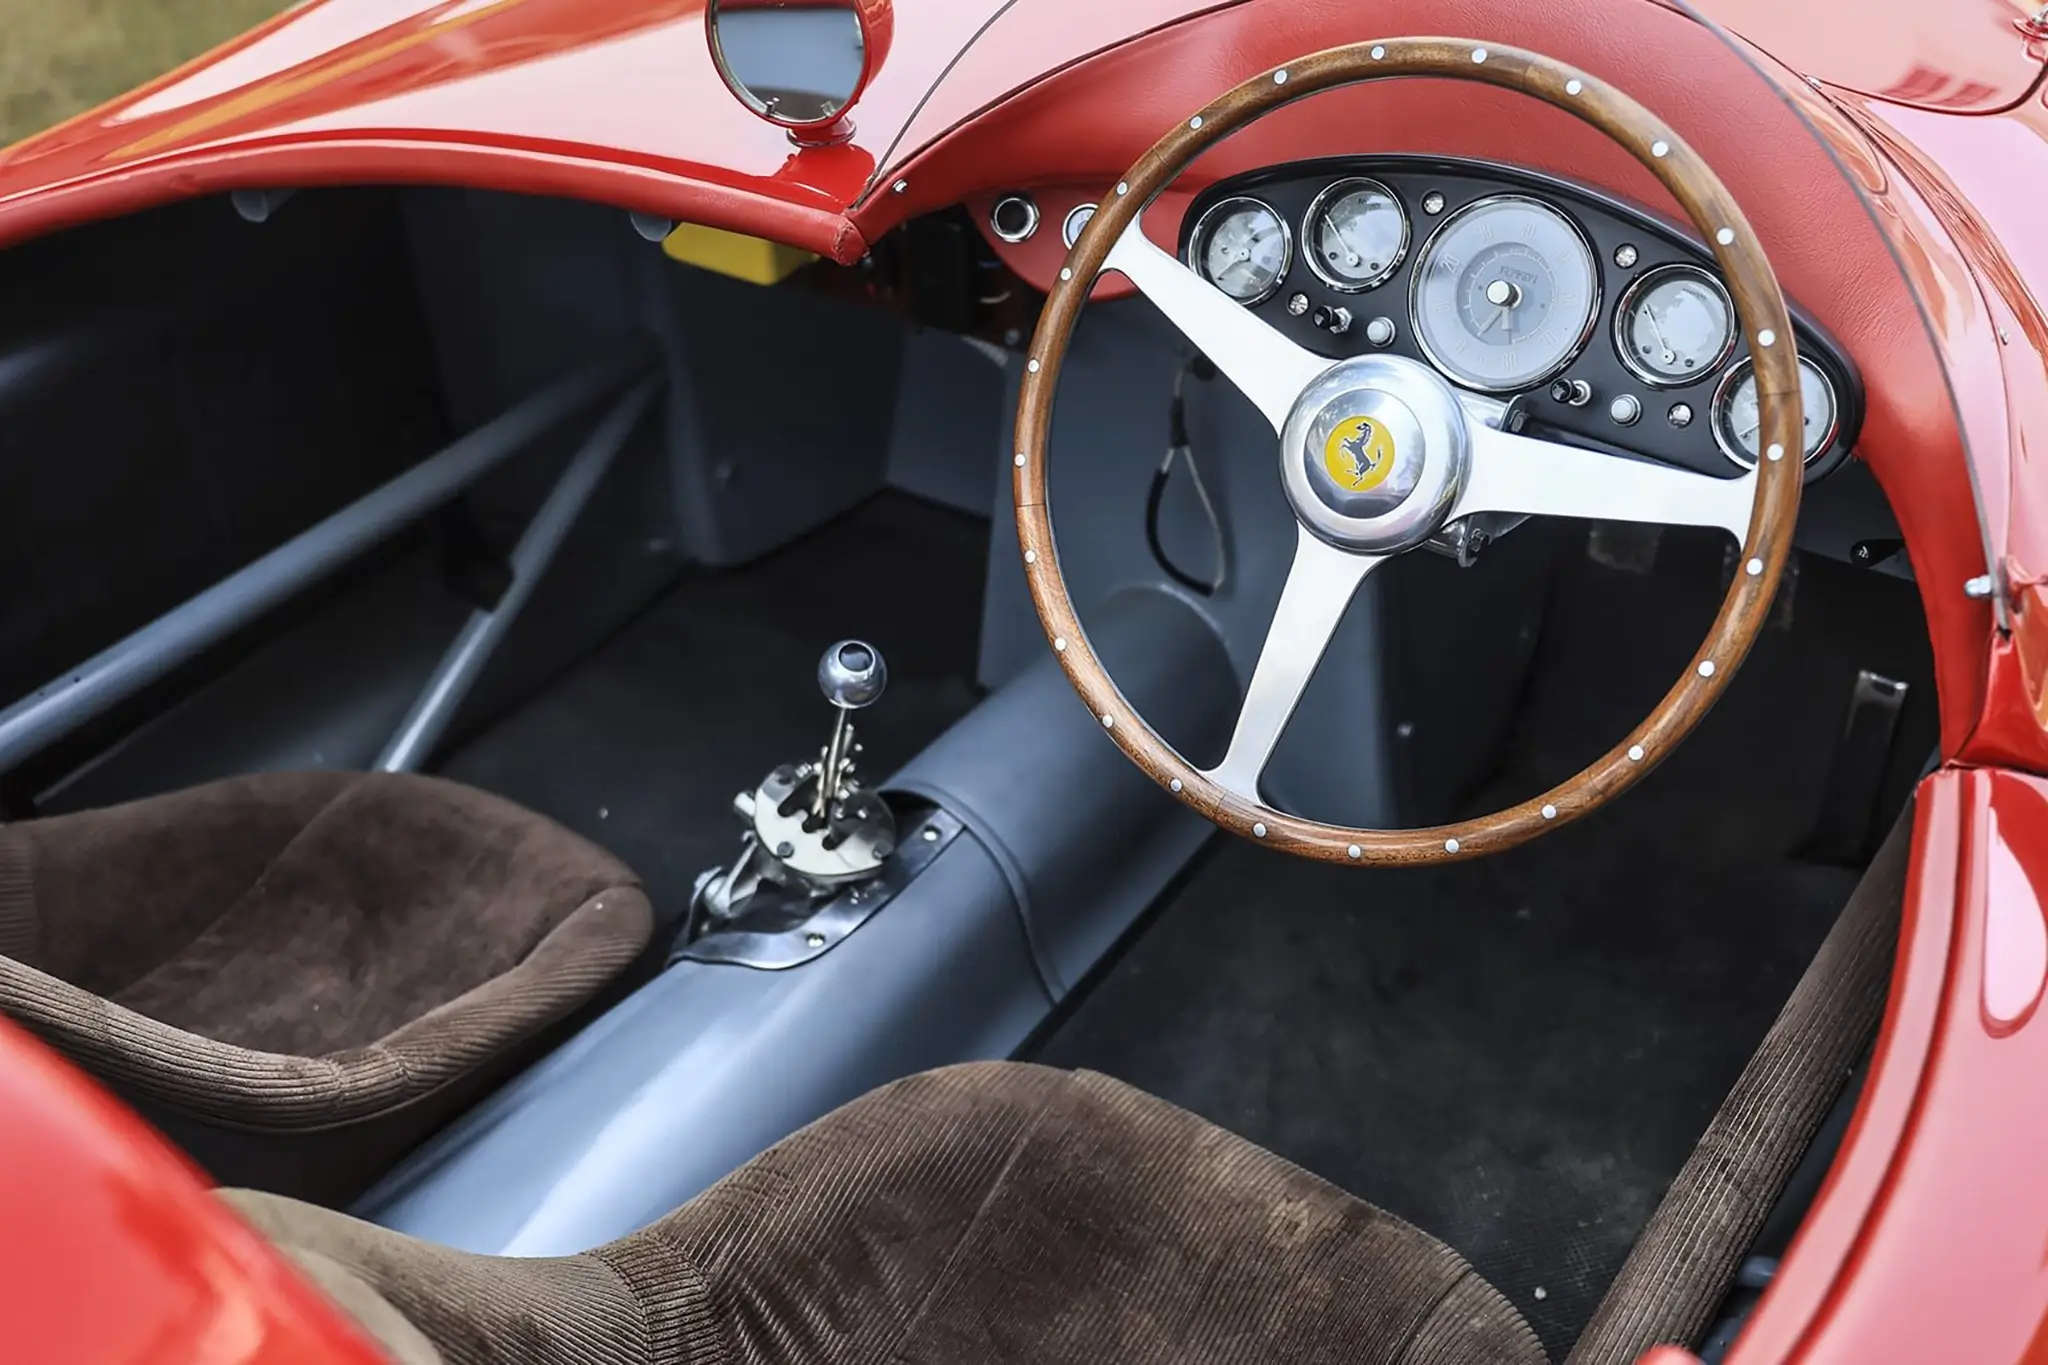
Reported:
(990, 1213)
(299, 976)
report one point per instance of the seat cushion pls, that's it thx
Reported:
(293, 953)
(988, 1213)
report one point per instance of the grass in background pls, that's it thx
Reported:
(59, 57)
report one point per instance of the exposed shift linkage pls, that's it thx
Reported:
(812, 829)
(852, 676)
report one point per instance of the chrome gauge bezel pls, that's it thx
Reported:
(1420, 273)
(1641, 285)
(1198, 241)
(1724, 394)
(1331, 193)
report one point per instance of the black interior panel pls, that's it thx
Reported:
(181, 391)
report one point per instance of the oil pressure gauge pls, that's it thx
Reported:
(1674, 325)
(1243, 248)
(1356, 235)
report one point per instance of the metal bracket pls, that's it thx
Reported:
(773, 939)
(1465, 538)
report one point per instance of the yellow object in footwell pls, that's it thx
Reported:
(753, 259)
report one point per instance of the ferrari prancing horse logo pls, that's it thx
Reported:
(1359, 454)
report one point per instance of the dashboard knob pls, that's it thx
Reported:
(1334, 320)
(1574, 392)
(1380, 331)
(1625, 409)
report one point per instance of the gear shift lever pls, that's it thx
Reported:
(852, 676)
(806, 843)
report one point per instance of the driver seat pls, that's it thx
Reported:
(300, 976)
(996, 1212)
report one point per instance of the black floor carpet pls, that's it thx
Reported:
(1517, 1054)
(642, 745)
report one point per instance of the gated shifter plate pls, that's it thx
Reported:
(790, 931)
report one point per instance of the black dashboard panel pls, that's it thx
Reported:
(1627, 243)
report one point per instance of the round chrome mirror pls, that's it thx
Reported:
(800, 64)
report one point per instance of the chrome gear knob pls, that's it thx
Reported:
(852, 675)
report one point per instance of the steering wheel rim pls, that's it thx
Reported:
(1277, 376)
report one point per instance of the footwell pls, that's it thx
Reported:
(1518, 1053)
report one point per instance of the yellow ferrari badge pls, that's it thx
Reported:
(1359, 454)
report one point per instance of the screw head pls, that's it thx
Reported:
(1680, 415)
(1433, 203)
(1297, 304)
(814, 940)
(1625, 255)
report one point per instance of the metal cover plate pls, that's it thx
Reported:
(791, 945)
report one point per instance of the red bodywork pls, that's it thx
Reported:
(113, 1252)
(1926, 1244)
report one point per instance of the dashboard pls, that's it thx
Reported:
(1596, 322)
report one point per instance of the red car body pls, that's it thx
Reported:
(1905, 212)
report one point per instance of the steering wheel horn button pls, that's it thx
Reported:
(1373, 454)
(1358, 454)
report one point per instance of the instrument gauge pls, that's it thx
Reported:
(1737, 416)
(1243, 248)
(1505, 294)
(1356, 235)
(1674, 325)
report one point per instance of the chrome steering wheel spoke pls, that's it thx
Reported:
(1319, 587)
(1271, 370)
(1512, 473)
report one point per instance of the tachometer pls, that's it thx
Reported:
(1243, 248)
(1736, 417)
(1356, 234)
(1674, 325)
(1505, 293)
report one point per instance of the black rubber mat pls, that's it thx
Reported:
(642, 745)
(1517, 1054)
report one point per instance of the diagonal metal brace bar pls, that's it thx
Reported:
(413, 745)
(120, 671)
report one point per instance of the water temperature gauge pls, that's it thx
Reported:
(1674, 325)
(1356, 234)
(1243, 248)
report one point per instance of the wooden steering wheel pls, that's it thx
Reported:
(1441, 462)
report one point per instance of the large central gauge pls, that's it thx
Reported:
(1505, 293)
